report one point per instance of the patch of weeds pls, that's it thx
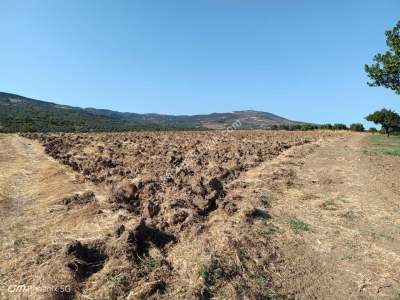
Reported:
(349, 215)
(345, 201)
(369, 152)
(151, 263)
(348, 244)
(206, 293)
(273, 295)
(392, 153)
(260, 278)
(216, 270)
(264, 286)
(265, 200)
(347, 257)
(18, 243)
(297, 225)
(241, 254)
(253, 282)
(329, 205)
(267, 229)
(258, 214)
(241, 288)
(375, 234)
(212, 271)
(115, 285)
(381, 145)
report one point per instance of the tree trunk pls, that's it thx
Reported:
(387, 131)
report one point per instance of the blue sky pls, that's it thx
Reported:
(300, 59)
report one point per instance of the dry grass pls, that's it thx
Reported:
(351, 200)
(36, 227)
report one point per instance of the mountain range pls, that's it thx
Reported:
(18, 113)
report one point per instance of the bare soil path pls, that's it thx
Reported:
(31, 186)
(338, 216)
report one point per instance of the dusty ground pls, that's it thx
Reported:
(319, 221)
(31, 186)
(347, 207)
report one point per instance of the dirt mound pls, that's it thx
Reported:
(137, 241)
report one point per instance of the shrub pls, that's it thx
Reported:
(326, 126)
(357, 127)
(339, 126)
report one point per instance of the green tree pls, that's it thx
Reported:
(274, 127)
(357, 127)
(308, 127)
(25, 127)
(339, 126)
(386, 69)
(326, 126)
(388, 119)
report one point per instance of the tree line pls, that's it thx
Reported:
(307, 127)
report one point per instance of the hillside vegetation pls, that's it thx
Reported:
(21, 114)
(249, 119)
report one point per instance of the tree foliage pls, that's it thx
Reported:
(386, 69)
(388, 119)
(339, 126)
(27, 119)
(309, 127)
(326, 126)
(357, 127)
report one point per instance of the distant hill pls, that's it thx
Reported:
(18, 113)
(21, 114)
(249, 119)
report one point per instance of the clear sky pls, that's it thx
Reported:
(302, 59)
